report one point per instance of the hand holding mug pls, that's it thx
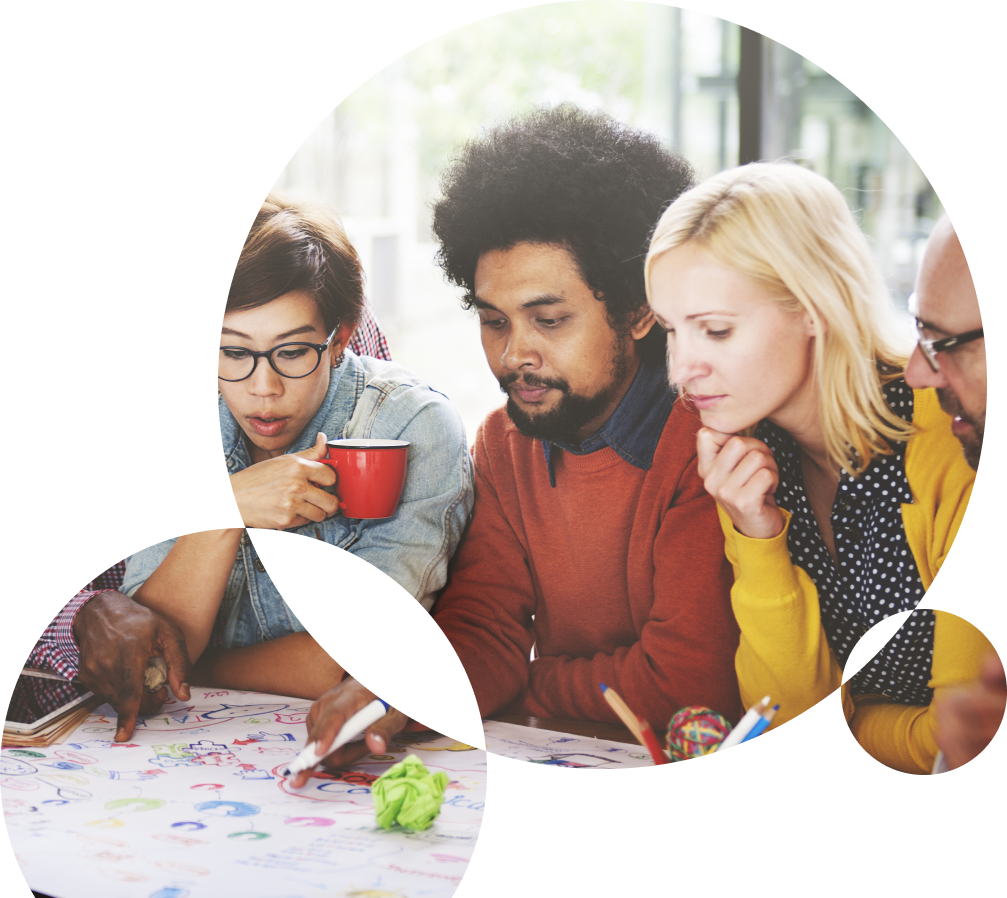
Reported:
(284, 492)
(741, 474)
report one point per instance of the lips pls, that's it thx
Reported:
(959, 426)
(705, 402)
(267, 426)
(528, 393)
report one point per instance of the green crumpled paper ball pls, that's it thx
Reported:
(409, 795)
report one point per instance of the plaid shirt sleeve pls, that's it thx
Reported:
(57, 649)
(368, 338)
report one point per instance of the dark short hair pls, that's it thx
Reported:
(569, 177)
(296, 246)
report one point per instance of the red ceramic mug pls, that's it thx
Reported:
(369, 475)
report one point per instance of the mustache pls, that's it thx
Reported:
(533, 380)
(950, 403)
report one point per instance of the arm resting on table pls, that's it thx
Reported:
(291, 665)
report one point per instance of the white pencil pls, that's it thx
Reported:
(745, 725)
(354, 726)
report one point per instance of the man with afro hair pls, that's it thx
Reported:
(593, 541)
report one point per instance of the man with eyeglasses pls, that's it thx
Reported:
(951, 357)
(951, 354)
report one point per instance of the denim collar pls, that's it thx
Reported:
(635, 426)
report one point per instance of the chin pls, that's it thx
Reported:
(727, 423)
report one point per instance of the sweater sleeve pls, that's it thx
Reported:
(783, 652)
(487, 608)
(902, 736)
(684, 651)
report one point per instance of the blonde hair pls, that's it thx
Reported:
(790, 229)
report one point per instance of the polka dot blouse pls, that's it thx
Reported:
(875, 574)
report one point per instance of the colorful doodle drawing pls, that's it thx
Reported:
(134, 804)
(170, 892)
(572, 760)
(265, 737)
(293, 717)
(15, 767)
(229, 712)
(228, 808)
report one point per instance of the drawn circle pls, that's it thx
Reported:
(13, 767)
(76, 757)
(74, 794)
(228, 808)
(309, 821)
(248, 836)
(25, 753)
(135, 804)
(188, 825)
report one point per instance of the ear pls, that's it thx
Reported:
(809, 325)
(340, 341)
(641, 327)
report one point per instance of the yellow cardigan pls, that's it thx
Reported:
(784, 651)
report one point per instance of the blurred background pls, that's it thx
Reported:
(719, 94)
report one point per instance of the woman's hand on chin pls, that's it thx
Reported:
(741, 474)
(283, 492)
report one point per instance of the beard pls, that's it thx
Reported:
(573, 412)
(972, 443)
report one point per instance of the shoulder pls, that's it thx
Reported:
(390, 390)
(934, 457)
(677, 446)
(501, 450)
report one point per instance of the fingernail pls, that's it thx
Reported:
(120, 732)
(381, 740)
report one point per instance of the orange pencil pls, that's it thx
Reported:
(622, 710)
(650, 741)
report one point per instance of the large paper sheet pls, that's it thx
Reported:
(561, 749)
(195, 806)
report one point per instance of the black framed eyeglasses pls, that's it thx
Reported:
(930, 348)
(294, 360)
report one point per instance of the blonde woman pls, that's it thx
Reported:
(840, 489)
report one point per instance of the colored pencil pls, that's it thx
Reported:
(650, 741)
(745, 725)
(762, 723)
(625, 715)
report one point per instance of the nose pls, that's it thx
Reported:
(264, 381)
(520, 350)
(684, 363)
(919, 374)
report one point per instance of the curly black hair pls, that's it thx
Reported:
(564, 176)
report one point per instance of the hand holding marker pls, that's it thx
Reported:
(355, 726)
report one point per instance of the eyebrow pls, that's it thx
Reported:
(548, 299)
(930, 326)
(721, 312)
(303, 329)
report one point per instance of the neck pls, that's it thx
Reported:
(592, 427)
(803, 423)
(259, 454)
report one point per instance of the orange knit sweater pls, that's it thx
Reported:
(617, 575)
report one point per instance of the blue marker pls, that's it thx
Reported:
(355, 726)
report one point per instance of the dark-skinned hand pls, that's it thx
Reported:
(968, 718)
(332, 710)
(117, 637)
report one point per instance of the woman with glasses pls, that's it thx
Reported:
(287, 383)
(840, 489)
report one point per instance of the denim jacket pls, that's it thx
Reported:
(367, 398)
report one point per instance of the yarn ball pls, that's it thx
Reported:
(695, 731)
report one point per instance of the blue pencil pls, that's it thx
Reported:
(762, 723)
